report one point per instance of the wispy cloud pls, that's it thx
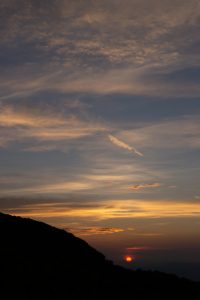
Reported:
(150, 35)
(139, 248)
(111, 209)
(11, 116)
(43, 124)
(167, 134)
(145, 186)
(60, 187)
(87, 231)
(123, 145)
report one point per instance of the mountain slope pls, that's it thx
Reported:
(38, 261)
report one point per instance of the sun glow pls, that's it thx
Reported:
(128, 258)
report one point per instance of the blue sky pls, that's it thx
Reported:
(99, 122)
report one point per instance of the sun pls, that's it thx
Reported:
(128, 258)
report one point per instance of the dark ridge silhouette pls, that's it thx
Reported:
(38, 261)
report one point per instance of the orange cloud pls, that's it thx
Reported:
(144, 186)
(111, 209)
(139, 248)
(87, 231)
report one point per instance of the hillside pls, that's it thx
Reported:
(42, 262)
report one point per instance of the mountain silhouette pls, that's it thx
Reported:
(38, 261)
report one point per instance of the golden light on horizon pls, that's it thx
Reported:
(111, 209)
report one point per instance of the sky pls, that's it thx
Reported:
(100, 127)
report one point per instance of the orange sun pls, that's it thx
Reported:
(128, 258)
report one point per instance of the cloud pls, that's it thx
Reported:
(96, 172)
(107, 178)
(110, 209)
(88, 231)
(123, 145)
(43, 124)
(53, 188)
(180, 133)
(46, 148)
(151, 39)
(11, 116)
(139, 248)
(145, 186)
(147, 80)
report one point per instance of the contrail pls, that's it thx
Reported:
(123, 145)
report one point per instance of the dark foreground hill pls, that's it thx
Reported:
(38, 261)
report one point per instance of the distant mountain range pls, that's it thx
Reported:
(38, 261)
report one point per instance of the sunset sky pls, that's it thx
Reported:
(100, 123)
